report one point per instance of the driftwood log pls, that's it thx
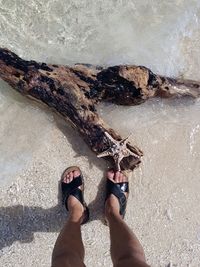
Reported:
(75, 91)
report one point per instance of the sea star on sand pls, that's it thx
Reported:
(118, 150)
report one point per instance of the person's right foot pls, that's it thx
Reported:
(72, 196)
(73, 203)
(112, 203)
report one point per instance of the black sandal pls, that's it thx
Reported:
(72, 189)
(119, 190)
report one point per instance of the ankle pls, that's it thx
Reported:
(112, 217)
(74, 205)
(111, 212)
(75, 216)
(75, 212)
(111, 206)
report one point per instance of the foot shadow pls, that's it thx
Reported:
(19, 223)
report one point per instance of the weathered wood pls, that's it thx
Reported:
(74, 92)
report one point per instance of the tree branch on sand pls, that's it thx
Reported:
(75, 91)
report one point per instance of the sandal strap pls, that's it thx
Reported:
(118, 189)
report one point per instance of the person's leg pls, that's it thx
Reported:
(126, 250)
(68, 250)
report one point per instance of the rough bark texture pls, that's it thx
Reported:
(74, 92)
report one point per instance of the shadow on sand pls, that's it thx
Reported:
(19, 223)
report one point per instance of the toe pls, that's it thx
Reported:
(65, 179)
(125, 178)
(71, 176)
(121, 177)
(76, 174)
(117, 177)
(110, 174)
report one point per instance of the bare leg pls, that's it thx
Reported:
(69, 250)
(126, 250)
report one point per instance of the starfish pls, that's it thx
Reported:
(118, 150)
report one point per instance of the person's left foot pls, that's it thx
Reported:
(75, 207)
(112, 204)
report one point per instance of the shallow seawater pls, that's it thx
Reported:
(22, 131)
